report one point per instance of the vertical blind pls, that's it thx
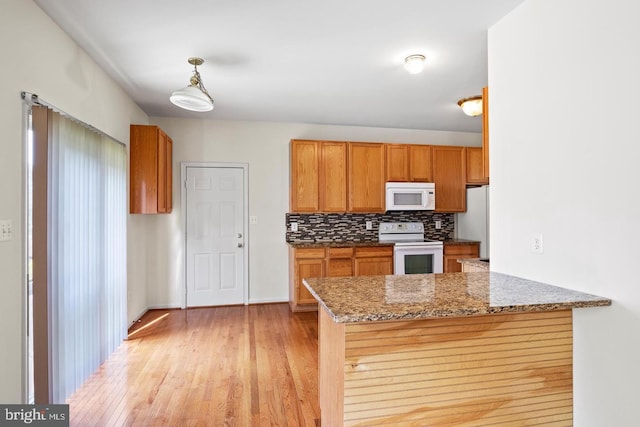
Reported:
(87, 252)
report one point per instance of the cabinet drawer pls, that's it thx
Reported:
(310, 253)
(374, 251)
(466, 249)
(339, 252)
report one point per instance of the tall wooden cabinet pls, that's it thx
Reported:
(150, 170)
(449, 175)
(485, 133)
(366, 177)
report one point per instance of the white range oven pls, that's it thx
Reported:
(412, 253)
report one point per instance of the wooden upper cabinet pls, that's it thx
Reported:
(420, 168)
(305, 177)
(318, 176)
(475, 169)
(397, 162)
(449, 176)
(485, 133)
(333, 176)
(408, 162)
(366, 169)
(150, 170)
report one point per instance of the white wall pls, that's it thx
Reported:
(38, 57)
(563, 80)
(265, 147)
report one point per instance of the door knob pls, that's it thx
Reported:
(239, 235)
(240, 245)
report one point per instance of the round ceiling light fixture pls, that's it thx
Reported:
(193, 97)
(471, 106)
(414, 64)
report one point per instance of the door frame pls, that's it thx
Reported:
(245, 220)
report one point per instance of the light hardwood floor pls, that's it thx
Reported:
(227, 366)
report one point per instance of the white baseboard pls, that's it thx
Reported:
(267, 301)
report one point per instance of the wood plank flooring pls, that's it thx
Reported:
(226, 366)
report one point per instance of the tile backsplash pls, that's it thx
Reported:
(349, 227)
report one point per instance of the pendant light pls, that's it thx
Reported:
(471, 106)
(193, 97)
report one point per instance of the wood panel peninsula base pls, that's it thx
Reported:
(459, 349)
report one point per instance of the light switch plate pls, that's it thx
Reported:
(294, 226)
(6, 230)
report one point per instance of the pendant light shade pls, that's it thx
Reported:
(471, 106)
(193, 97)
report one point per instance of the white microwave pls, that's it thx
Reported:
(410, 196)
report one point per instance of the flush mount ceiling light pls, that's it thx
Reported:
(193, 97)
(414, 64)
(471, 106)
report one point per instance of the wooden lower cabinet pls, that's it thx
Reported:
(333, 262)
(373, 261)
(304, 263)
(453, 252)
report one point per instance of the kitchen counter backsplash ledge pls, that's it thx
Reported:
(348, 227)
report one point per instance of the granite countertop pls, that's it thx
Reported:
(425, 296)
(333, 244)
(330, 244)
(476, 262)
(460, 242)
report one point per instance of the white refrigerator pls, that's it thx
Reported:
(474, 223)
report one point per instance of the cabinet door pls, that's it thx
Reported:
(420, 168)
(333, 176)
(374, 266)
(485, 132)
(169, 174)
(307, 268)
(366, 177)
(162, 171)
(453, 252)
(397, 162)
(475, 169)
(304, 191)
(449, 175)
(150, 170)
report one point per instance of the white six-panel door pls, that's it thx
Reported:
(215, 236)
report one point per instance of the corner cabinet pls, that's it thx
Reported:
(150, 170)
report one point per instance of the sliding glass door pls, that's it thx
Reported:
(79, 251)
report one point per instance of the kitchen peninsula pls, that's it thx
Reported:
(463, 349)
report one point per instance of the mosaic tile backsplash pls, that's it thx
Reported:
(350, 227)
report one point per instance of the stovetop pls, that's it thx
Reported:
(404, 233)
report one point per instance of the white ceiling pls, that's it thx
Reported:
(326, 61)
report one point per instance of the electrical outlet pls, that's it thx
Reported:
(6, 230)
(369, 225)
(438, 224)
(536, 244)
(294, 226)
(253, 219)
